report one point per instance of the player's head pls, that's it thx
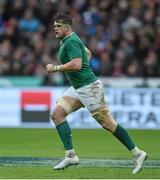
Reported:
(62, 25)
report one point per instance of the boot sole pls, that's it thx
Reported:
(66, 167)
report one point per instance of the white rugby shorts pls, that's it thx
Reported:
(91, 96)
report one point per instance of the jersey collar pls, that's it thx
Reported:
(63, 40)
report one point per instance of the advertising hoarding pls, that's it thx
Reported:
(137, 108)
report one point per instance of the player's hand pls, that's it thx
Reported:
(50, 68)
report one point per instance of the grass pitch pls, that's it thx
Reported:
(31, 153)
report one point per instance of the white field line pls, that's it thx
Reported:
(84, 162)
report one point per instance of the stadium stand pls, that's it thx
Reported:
(124, 37)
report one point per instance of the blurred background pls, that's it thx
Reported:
(124, 37)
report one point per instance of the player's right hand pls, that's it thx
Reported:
(50, 68)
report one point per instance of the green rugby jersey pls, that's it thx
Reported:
(72, 47)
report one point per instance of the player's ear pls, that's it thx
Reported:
(67, 28)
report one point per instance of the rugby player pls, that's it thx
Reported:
(86, 91)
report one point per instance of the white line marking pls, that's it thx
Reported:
(84, 162)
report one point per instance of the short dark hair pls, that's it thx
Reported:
(63, 18)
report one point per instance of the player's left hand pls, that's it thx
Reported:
(50, 68)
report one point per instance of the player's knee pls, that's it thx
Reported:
(58, 115)
(53, 116)
(100, 114)
(105, 119)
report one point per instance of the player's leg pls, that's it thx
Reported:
(67, 104)
(97, 106)
(104, 117)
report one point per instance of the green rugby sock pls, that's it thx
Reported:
(122, 135)
(64, 132)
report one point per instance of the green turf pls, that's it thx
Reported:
(93, 143)
(75, 173)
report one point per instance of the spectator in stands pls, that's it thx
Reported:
(124, 36)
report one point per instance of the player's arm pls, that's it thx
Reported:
(74, 65)
(74, 53)
(88, 52)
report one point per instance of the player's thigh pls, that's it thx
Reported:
(92, 95)
(74, 104)
(70, 101)
(64, 106)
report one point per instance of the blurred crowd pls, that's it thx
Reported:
(123, 35)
